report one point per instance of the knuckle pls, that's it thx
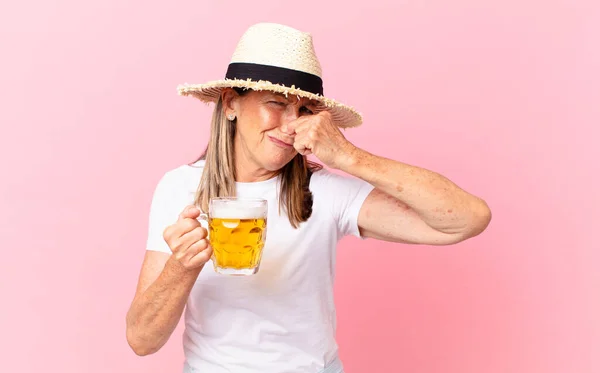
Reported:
(203, 244)
(176, 245)
(187, 209)
(203, 232)
(199, 246)
(196, 234)
(186, 225)
(178, 255)
(193, 249)
(204, 255)
(167, 233)
(192, 223)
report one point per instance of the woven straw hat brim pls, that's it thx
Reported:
(342, 115)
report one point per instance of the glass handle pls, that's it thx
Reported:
(204, 222)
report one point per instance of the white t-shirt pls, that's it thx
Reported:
(282, 319)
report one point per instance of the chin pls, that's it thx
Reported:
(276, 163)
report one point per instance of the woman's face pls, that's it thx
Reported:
(262, 134)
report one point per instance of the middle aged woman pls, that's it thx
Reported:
(282, 318)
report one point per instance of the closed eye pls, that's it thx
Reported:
(306, 110)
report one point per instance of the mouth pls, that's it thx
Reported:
(280, 143)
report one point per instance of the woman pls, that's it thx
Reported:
(270, 114)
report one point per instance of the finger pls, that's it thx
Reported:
(303, 144)
(177, 229)
(196, 248)
(182, 244)
(185, 256)
(169, 233)
(202, 257)
(184, 226)
(191, 237)
(294, 125)
(300, 127)
(190, 212)
(300, 147)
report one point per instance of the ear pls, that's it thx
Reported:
(230, 101)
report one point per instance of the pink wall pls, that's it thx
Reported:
(500, 96)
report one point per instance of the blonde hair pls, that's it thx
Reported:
(218, 177)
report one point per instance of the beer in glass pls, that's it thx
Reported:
(237, 232)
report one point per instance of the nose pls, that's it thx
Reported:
(285, 128)
(289, 117)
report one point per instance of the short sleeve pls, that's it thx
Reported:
(346, 195)
(165, 208)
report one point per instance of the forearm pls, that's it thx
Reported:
(156, 312)
(439, 202)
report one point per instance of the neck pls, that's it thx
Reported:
(249, 174)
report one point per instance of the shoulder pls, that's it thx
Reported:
(322, 176)
(327, 179)
(329, 186)
(184, 178)
(342, 195)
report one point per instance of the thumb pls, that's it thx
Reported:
(190, 212)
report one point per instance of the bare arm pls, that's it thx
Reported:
(409, 203)
(414, 205)
(163, 289)
(164, 285)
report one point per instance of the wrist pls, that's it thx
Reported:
(175, 269)
(350, 158)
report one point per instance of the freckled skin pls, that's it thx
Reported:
(409, 203)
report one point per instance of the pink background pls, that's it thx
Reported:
(500, 96)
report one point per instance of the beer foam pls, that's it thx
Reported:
(239, 212)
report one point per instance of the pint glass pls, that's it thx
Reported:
(237, 233)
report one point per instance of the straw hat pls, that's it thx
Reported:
(276, 58)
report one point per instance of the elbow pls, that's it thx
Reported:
(482, 216)
(138, 345)
(140, 351)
